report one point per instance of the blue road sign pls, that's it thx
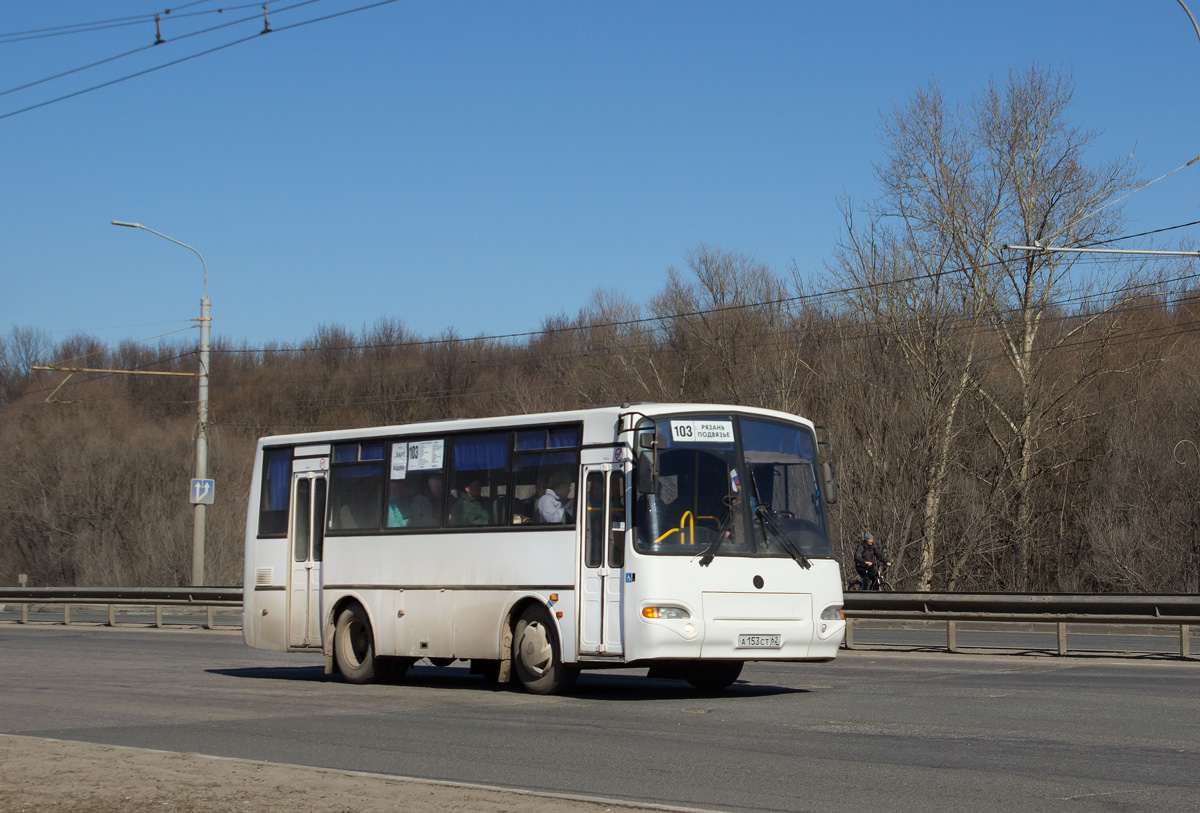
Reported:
(203, 491)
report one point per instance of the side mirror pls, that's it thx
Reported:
(825, 441)
(830, 477)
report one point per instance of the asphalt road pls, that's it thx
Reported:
(873, 730)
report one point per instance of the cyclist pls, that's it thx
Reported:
(867, 558)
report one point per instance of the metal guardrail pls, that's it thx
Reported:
(208, 598)
(951, 608)
(1059, 609)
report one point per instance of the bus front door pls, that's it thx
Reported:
(306, 539)
(602, 563)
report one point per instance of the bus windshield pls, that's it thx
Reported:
(714, 473)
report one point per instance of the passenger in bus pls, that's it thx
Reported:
(360, 505)
(556, 507)
(399, 505)
(427, 505)
(468, 510)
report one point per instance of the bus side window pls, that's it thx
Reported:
(533, 477)
(480, 474)
(356, 487)
(428, 504)
(276, 490)
(616, 519)
(593, 521)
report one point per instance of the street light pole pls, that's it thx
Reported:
(198, 523)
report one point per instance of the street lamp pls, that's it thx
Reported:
(202, 494)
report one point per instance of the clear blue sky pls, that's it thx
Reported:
(483, 165)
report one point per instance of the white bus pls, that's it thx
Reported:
(682, 538)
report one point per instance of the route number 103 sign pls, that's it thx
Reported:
(702, 431)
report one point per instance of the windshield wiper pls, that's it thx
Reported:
(766, 521)
(706, 557)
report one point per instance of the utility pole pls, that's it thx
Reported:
(199, 485)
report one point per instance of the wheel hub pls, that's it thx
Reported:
(535, 650)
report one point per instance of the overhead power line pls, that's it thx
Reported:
(774, 344)
(1148, 288)
(157, 42)
(816, 296)
(213, 50)
(490, 388)
(120, 22)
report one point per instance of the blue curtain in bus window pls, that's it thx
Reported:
(531, 439)
(762, 436)
(568, 436)
(561, 437)
(276, 487)
(279, 469)
(481, 452)
(345, 453)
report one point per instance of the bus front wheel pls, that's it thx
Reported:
(712, 675)
(537, 657)
(354, 646)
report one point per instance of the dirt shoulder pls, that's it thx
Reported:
(55, 775)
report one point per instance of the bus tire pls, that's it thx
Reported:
(354, 646)
(712, 675)
(537, 656)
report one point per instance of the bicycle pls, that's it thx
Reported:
(876, 580)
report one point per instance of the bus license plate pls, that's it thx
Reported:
(759, 642)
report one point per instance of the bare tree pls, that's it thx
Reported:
(903, 286)
(25, 347)
(1009, 168)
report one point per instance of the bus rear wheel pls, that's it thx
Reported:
(712, 675)
(537, 657)
(354, 646)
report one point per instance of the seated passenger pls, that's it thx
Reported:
(428, 505)
(399, 506)
(345, 518)
(555, 506)
(468, 510)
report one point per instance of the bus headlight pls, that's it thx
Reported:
(832, 613)
(667, 612)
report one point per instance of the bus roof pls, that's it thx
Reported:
(586, 415)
